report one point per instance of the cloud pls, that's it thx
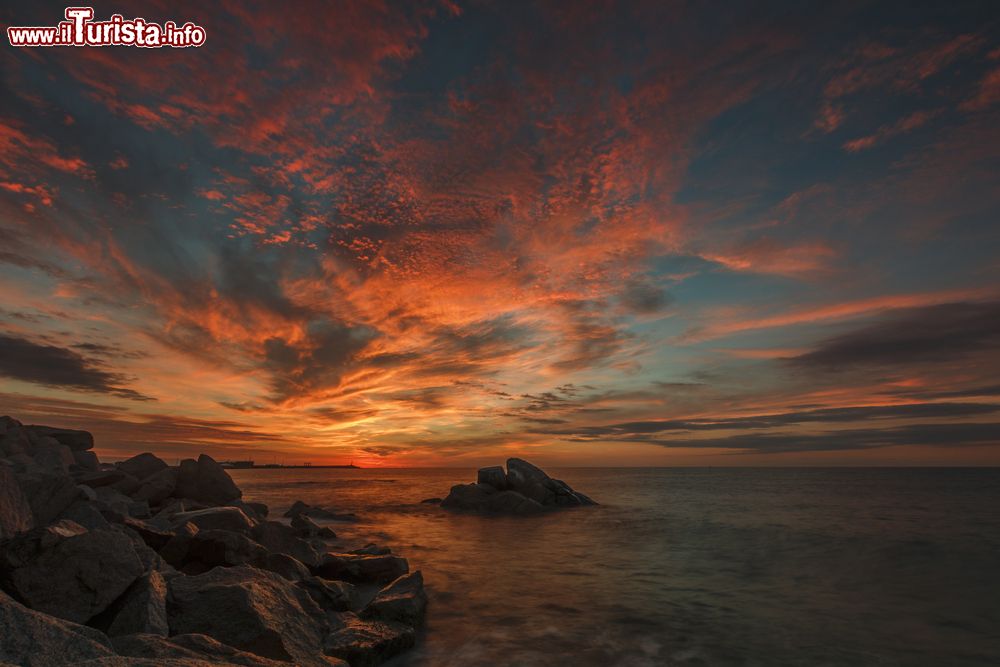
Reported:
(932, 334)
(52, 366)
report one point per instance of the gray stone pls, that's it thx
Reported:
(468, 497)
(86, 460)
(143, 608)
(493, 476)
(67, 571)
(99, 478)
(403, 601)
(86, 514)
(206, 481)
(34, 639)
(306, 527)
(368, 643)
(512, 502)
(188, 649)
(52, 456)
(362, 568)
(208, 548)
(75, 440)
(48, 494)
(278, 537)
(288, 567)
(157, 487)
(142, 465)
(330, 595)
(218, 518)
(175, 551)
(15, 441)
(252, 610)
(15, 510)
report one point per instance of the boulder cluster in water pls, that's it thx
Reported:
(140, 563)
(522, 489)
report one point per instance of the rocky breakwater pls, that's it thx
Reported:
(141, 563)
(520, 490)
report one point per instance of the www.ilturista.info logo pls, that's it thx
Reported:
(79, 29)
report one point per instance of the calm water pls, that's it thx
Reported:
(691, 566)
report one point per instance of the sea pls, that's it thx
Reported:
(689, 566)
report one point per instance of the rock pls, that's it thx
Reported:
(48, 494)
(86, 514)
(15, 441)
(157, 487)
(277, 537)
(404, 601)
(75, 440)
(205, 480)
(100, 478)
(200, 650)
(127, 485)
(290, 568)
(468, 497)
(368, 643)
(111, 500)
(256, 511)
(306, 527)
(175, 551)
(372, 549)
(7, 423)
(302, 509)
(512, 502)
(35, 639)
(362, 568)
(520, 474)
(52, 456)
(15, 511)
(431, 501)
(67, 571)
(156, 538)
(86, 460)
(208, 548)
(219, 518)
(142, 465)
(330, 595)
(493, 476)
(252, 610)
(525, 489)
(143, 608)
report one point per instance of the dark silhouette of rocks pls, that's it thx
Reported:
(523, 489)
(143, 563)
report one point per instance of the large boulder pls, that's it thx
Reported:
(493, 476)
(142, 609)
(367, 643)
(330, 595)
(86, 460)
(252, 610)
(468, 497)
(524, 489)
(15, 511)
(190, 649)
(208, 548)
(206, 481)
(362, 568)
(217, 518)
(403, 601)
(75, 440)
(278, 537)
(142, 465)
(68, 571)
(34, 639)
(306, 527)
(15, 441)
(48, 494)
(52, 456)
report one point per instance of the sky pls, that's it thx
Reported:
(445, 233)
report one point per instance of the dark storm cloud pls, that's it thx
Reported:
(933, 435)
(826, 415)
(53, 366)
(931, 334)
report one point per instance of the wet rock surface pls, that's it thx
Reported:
(140, 563)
